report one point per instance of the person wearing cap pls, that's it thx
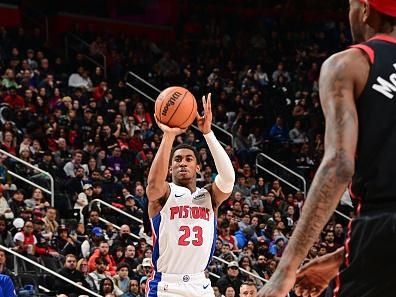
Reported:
(147, 267)
(42, 247)
(357, 88)
(65, 243)
(231, 278)
(132, 209)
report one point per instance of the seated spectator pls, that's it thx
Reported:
(231, 278)
(37, 200)
(278, 131)
(82, 266)
(241, 186)
(132, 209)
(248, 289)
(25, 241)
(51, 225)
(130, 259)
(70, 271)
(93, 221)
(103, 252)
(246, 263)
(226, 236)
(107, 288)
(230, 291)
(66, 243)
(141, 115)
(3, 265)
(80, 79)
(297, 135)
(70, 167)
(133, 289)
(145, 269)
(97, 275)
(121, 279)
(8, 143)
(15, 101)
(277, 247)
(124, 237)
(5, 235)
(5, 209)
(43, 246)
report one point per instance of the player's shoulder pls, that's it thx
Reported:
(346, 61)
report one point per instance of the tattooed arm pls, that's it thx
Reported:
(343, 77)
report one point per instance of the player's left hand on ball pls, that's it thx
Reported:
(205, 121)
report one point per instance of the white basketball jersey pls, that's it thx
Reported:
(184, 232)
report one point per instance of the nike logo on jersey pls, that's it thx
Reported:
(205, 286)
(178, 196)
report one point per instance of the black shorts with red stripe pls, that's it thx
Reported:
(369, 269)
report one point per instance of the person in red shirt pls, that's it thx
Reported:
(14, 100)
(102, 252)
(25, 240)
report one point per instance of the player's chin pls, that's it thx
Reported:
(184, 177)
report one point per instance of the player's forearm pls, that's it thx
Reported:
(159, 167)
(327, 187)
(226, 175)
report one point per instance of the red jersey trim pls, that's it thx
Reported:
(384, 37)
(368, 50)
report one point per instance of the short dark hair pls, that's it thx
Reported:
(248, 283)
(101, 260)
(123, 265)
(185, 146)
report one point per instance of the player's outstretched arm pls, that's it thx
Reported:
(224, 181)
(157, 187)
(314, 277)
(342, 78)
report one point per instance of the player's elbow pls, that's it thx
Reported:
(342, 165)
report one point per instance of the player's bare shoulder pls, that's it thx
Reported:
(352, 64)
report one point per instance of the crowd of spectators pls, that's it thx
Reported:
(97, 139)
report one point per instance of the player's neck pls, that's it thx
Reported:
(191, 185)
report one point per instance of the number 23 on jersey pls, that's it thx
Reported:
(190, 235)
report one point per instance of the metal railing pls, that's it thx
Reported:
(48, 270)
(83, 47)
(140, 221)
(259, 166)
(241, 269)
(114, 208)
(224, 137)
(50, 192)
(117, 227)
(304, 190)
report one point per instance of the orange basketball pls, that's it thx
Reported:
(176, 107)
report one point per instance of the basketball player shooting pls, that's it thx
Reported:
(357, 88)
(183, 217)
